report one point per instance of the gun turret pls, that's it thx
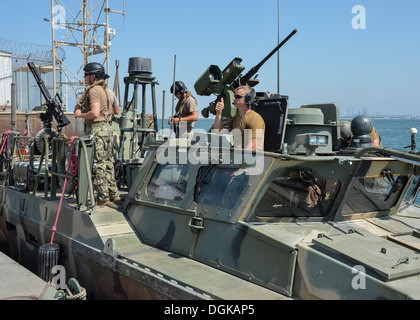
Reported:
(55, 106)
(223, 84)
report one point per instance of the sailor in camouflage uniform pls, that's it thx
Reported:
(93, 107)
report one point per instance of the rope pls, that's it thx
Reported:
(80, 296)
(62, 193)
(73, 159)
(30, 297)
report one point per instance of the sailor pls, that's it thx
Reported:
(93, 107)
(186, 110)
(245, 119)
(376, 138)
(114, 106)
(347, 135)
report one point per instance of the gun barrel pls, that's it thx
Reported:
(255, 69)
(40, 82)
(54, 107)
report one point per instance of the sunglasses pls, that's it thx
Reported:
(238, 96)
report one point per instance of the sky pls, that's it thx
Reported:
(360, 54)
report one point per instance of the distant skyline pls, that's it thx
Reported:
(358, 54)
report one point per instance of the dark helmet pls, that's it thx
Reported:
(97, 69)
(361, 125)
(179, 87)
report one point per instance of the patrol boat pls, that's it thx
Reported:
(305, 219)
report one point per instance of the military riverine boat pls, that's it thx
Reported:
(305, 219)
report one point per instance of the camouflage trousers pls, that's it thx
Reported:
(104, 181)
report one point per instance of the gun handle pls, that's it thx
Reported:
(65, 121)
(229, 111)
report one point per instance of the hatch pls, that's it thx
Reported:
(382, 257)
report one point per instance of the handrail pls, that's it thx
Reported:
(400, 155)
(54, 173)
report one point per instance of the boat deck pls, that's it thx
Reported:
(108, 229)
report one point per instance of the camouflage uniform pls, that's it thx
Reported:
(104, 182)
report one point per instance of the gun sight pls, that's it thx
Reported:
(223, 84)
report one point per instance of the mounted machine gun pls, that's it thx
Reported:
(55, 106)
(214, 81)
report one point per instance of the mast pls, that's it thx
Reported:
(54, 52)
(85, 29)
(278, 41)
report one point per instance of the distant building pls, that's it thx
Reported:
(5, 79)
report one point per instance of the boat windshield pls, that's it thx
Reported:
(413, 192)
(220, 187)
(298, 195)
(373, 194)
(169, 182)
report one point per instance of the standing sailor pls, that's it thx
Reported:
(93, 107)
(186, 110)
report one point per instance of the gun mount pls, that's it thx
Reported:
(55, 106)
(223, 84)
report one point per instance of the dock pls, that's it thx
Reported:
(18, 283)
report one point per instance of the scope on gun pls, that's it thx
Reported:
(224, 83)
(213, 80)
(232, 71)
(207, 83)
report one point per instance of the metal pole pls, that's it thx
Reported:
(84, 34)
(27, 82)
(53, 47)
(107, 46)
(163, 110)
(13, 106)
(173, 99)
(278, 41)
(155, 122)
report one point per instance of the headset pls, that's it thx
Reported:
(250, 97)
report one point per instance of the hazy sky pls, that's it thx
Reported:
(356, 53)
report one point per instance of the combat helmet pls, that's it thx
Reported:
(179, 87)
(97, 69)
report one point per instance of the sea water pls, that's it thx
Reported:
(395, 133)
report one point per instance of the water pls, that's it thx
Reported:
(395, 133)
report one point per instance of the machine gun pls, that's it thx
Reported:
(214, 81)
(55, 106)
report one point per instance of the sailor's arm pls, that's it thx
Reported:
(218, 124)
(90, 115)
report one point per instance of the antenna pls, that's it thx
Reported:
(173, 100)
(87, 29)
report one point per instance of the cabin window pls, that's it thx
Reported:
(220, 187)
(413, 192)
(299, 194)
(373, 194)
(169, 182)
